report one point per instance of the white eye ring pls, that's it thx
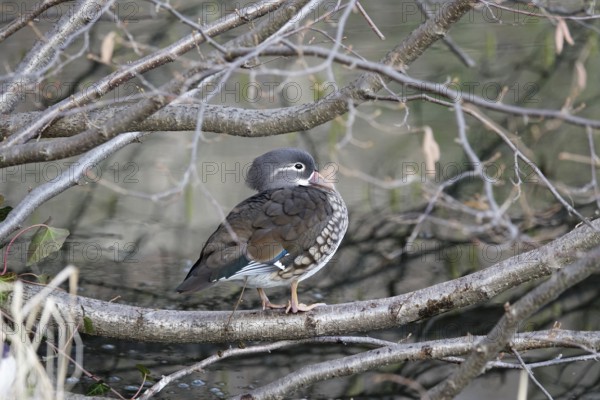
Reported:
(299, 166)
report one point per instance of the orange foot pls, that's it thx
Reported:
(294, 308)
(272, 306)
(266, 303)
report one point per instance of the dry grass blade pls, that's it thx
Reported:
(27, 326)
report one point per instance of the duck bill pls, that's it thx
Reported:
(316, 179)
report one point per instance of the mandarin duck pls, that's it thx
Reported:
(282, 235)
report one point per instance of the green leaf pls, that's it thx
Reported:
(8, 277)
(98, 389)
(43, 279)
(45, 241)
(143, 369)
(4, 212)
(88, 326)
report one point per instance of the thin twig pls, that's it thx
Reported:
(478, 168)
(447, 39)
(530, 373)
(496, 128)
(369, 21)
(266, 348)
(24, 19)
(533, 14)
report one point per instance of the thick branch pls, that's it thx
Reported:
(336, 104)
(137, 323)
(435, 349)
(256, 123)
(500, 336)
(102, 130)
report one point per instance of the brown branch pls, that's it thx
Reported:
(370, 22)
(453, 47)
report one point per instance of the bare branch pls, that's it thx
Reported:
(530, 373)
(460, 53)
(124, 74)
(23, 19)
(383, 356)
(70, 178)
(116, 320)
(257, 123)
(45, 51)
(506, 328)
(266, 348)
(369, 21)
(321, 111)
(518, 153)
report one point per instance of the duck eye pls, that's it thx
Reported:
(299, 166)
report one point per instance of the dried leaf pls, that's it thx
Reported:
(566, 32)
(107, 48)
(581, 75)
(431, 150)
(562, 35)
(477, 203)
(559, 39)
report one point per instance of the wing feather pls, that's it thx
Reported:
(267, 227)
